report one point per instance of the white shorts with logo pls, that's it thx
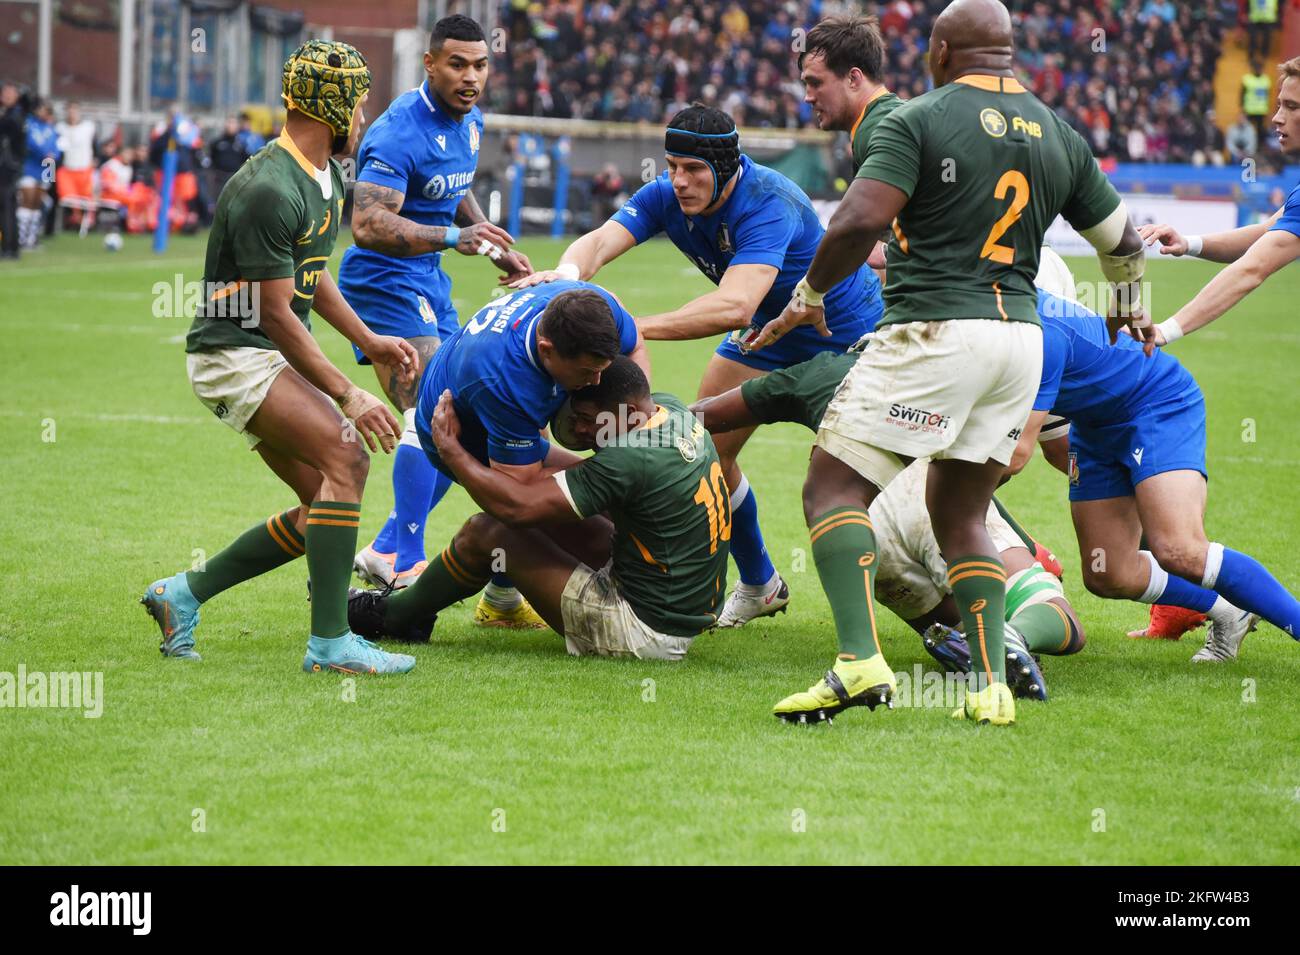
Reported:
(599, 621)
(959, 389)
(233, 382)
(912, 577)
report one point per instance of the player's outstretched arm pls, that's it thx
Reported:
(507, 498)
(725, 412)
(372, 418)
(585, 256)
(1276, 249)
(731, 306)
(376, 225)
(1214, 247)
(387, 350)
(867, 209)
(1123, 257)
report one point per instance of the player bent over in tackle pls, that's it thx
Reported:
(952, 371)
(644, 586)
(509, 369)
(253, 361)
(912, 577)
(1137, 439)
(752, 232)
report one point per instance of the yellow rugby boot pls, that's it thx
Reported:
(868, 683)
(993, 704)
(522, 617)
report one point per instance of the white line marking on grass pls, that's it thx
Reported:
(79, 327)
(131, 418)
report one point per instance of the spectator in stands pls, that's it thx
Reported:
(227, 154)
(1242, 140)
(142, 205)
(1261, 20)
(249, 138)
(75, 178)
(34, 200)
(1148, 96)
(1256, 95)
(13, 150)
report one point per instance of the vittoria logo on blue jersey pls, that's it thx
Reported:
(457, 183)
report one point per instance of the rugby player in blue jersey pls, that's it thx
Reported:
(509, 369)
(753, 233)
(1137, 450)
(413, 201)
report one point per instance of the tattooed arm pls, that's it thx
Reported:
(377, 225)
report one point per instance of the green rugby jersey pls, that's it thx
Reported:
(662, 486)
(273, 221)
(881, 104)
(986, 168)
(799, 393)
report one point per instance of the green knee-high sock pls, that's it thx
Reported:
(979, 585)
(1030, 544)
(446, 580)
(844, 550)
(331, 545)
(259, 549)
(1047, 629)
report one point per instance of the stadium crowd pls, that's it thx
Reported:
(1135, 77)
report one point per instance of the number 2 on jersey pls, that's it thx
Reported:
(1014, 180)
(716, 500)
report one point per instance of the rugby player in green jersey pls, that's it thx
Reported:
(253, 362)
(970, 175)
(841, 68)
(642, 582)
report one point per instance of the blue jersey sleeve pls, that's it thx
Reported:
(624, 321)
(642, 215)
(385, 157)
(512, 438)
(1056, 347)
(764, 236)
(1290, 218)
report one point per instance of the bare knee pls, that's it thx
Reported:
(477, 538)
(346, 468)
(1108, 584)
(1182, 557)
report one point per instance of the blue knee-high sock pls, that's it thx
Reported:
(1164, 588)
(411, 517)
(1247, 583)
(385, 541)
(747, 547)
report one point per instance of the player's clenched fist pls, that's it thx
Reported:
(372, 419)
(1171, 242)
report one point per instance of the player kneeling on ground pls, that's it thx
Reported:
(643, 586)
(912, 576)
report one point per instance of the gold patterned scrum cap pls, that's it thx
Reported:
(326, 80)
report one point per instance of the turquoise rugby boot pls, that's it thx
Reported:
(176, 612)
(352, 654)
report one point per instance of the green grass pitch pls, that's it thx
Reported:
(500, 748)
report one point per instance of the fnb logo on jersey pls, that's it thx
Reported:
(451, 186)
(917, 419)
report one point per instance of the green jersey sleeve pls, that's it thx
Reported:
(602, 481)
(1093, 198)
(896, 150)
(263, 245)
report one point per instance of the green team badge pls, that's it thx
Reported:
(994, 123)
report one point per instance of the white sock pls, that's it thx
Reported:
(1159, 580)
(502, 598)
(1223, 612)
